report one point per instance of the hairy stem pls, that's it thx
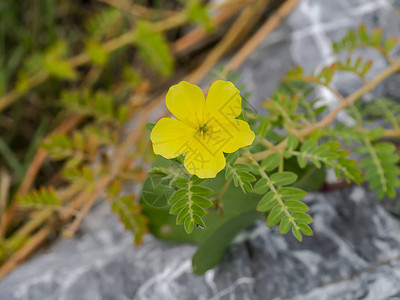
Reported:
(329, 118)
(271, 186)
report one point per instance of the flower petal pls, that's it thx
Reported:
(240, 135)
(202, 160)
(169, 137)
(186, 102)
(223, 101)
(228, 136)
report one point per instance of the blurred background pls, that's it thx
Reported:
(79, 81)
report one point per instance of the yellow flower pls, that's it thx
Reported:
(203, 129)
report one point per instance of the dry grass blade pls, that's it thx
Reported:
(5, 183)
(269, 25)
(26, 250)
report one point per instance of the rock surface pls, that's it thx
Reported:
(354, 254)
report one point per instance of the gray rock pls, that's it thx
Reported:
(354, 254)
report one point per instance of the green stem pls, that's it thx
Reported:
(272, 188)
(190, 202)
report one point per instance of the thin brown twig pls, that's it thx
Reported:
(27, 249)
(33, 170)
(194, 37)
(66, 126)
(348, 101)
(253, 43)
(329, 118)
(5, 183)
(227, 41)
(217, 200)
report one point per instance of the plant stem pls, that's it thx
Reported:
(217, 200)
(271, 186)
(348, 101)
(329, 118)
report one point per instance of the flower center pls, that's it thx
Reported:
(203, 128)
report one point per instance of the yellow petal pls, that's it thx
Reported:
(223, 101)
(227, 136)
(202, 160)
(240, 135)
(186, 102)
(169, 137)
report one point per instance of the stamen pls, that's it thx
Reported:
(203, 128)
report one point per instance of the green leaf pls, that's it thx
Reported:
(310, 178)
(228, 173)
(201, 201)
(309, 146)
(181, 183)
(198, 13)
(150, 126)
(232, 157)
(196, 180)
(153, 48)
(390, 43)
(297, 233)
(201, 190)
(296, 206)
(376, 37)
(188, 225)
(261, 186)
(302, 218)
(275, 216)
(271, 162)
(267, 202)
(290, 193)
(247, 176)
(98, 55)
(60, 69)
(363, 33)
(305, 229)
(199, 222)
(130, 215)
(198, 210)
(103, 23)
(44, 198)
(293, 142)
(209, 253)
(247, 185)
(285, 225)
(242, 167)
(381, 169)
(367, 66)
(155, 193)
(302, 160)
(182, 215)
(263, 127)
(283, 178)
(56, 64)
(179, 194)
(178, 205)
